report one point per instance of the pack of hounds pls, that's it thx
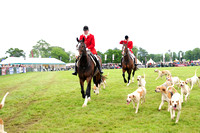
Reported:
(168, 92)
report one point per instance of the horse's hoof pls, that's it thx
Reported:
(89, 99)
(125, 81)
(128, 84)
(84, 105)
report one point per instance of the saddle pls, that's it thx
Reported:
(92, 57)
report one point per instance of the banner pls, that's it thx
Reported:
(17, 70)
(105, 56)
(113, 57)
(11, 70)
(3, 71)
(24, 69)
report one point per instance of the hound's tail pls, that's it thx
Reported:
(105, 76)
(196, 71)
(3, 100)
(172, 88)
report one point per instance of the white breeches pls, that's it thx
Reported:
(96, 57)
(132, 55)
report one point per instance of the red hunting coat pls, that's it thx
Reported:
(90, 42)
(130, 44)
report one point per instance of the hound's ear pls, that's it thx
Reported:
(170, 102)
(163, 89)
(178, 102)
(83, 40)
(77, 39)
(133, 96)
(142, 76)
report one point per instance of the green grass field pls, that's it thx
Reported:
(52, 102)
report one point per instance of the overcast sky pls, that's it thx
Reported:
(155, 25)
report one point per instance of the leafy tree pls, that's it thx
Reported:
(196, 53)
(189, 55)
(142, 53)
(3, 58)
(41, 49)
(117, 55)
(101, 55)
(154, 57)
(15, 52)
(174, 56)
(135, 50)
(59, 53)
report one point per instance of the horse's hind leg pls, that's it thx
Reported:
(87, 97)
(82, 88)
(125, 81)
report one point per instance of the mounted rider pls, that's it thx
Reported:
(90, 44)
(130, 46)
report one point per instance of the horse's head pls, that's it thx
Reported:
(81, 46)
(125, 48)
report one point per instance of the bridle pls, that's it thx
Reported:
(81, 44)
(123, 49)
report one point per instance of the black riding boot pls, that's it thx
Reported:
(121, 62)
(99, 66)
(135, 64)
(75, 69)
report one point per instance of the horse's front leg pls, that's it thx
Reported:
(133, 75)
(82, 88)
(125, 81)
(129, 77)
(87, 97)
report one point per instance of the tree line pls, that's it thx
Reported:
(45, 50)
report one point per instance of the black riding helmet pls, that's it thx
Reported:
(85, 28)
(126, 37)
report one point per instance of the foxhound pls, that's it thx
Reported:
(173, 80)
(103, 83)
(162, 73)
(136, 96)
(175, 104)
(185, 90)
(167, 94)
(193, 80)
(141, 81)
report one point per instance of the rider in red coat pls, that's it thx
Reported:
(90, 44)
(130, 46)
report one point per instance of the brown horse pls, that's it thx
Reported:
(127, 65)
(86, 71)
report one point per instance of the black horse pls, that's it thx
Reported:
(127, 65)
(86, 71)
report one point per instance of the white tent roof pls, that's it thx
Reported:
(138, 62)
(150, 61)
(70, 64)
(19, 60)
